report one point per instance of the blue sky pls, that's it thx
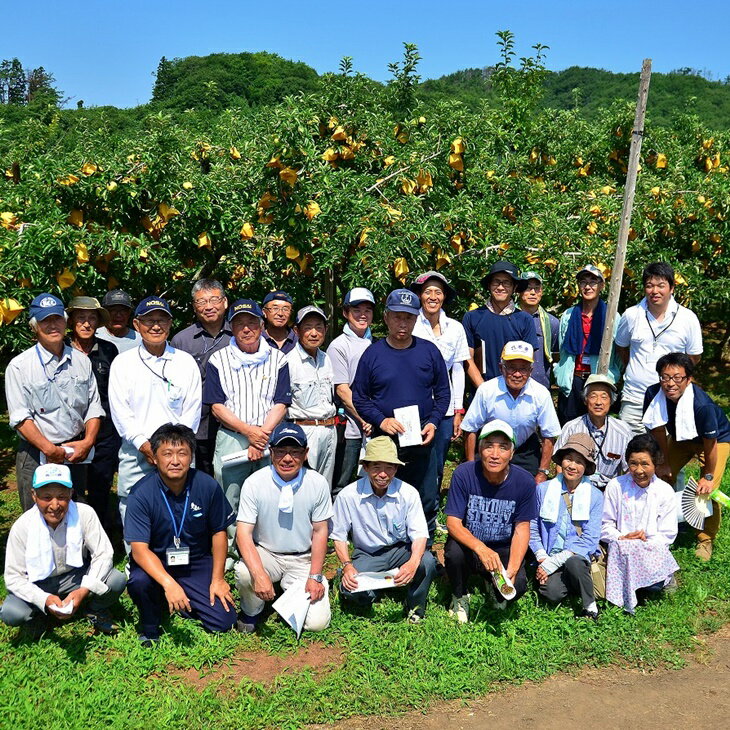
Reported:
(105, 51)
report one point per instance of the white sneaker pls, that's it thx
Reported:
(460, 608)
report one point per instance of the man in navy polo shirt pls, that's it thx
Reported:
(277, 308)
(399, 371)
(176, 524)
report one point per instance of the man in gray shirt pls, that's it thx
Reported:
(53, 401)
(119, 305)
(208, 334)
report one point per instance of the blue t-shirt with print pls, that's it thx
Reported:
(490, 511)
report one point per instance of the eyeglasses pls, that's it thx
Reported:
(149, 323)
(501, 283)
(673, 378)
(293, 451)
(517, 368)
(276, 309)
(210, 300)
(588, 283)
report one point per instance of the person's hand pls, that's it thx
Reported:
(635, 535)
(81, 451)
(315, 590)
(78, 597)
(257, 437)
(490, 559)
(255, 454)
(428, 432)
(220, 589)
(53, 601)
(406, 572)
(541, 575)
(391, 426)
(458, 418)
(540, 477)
(704, 486)
(176, 598)
(663, 471)
(55, 454)
(367, 428)
(146, 450)
(263, 587)
(349, 577)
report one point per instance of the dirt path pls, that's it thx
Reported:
(692, 697)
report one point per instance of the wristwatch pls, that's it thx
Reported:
(708, 477)
(317, 576)
(546, 472)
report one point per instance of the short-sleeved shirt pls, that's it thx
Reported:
(312, 389)
(378, 522)
(128, 342)
(490, 332)
(284, 532)
(710, 420)
(491, 511)
(648, 340)
(344, 353)
(148, 520)
(288, 344)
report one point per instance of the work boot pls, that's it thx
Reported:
(704, 547)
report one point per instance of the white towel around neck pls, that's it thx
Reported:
(657, 414)
(39, 560)
(581, 507)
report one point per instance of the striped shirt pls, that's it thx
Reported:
(249, 392)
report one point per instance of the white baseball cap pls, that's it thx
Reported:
(52, 474)
(518, 350)
(497, 426)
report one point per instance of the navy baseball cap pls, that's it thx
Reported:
(502, 266)
(46, 305)
(117, 298)
(286, 431)
(152, 304)
(403, 300)
(245, 306)
(358, 295)
(279, 294)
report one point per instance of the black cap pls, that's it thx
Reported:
(117, 298)
(502, 267)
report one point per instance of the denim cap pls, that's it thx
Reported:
(518, 350)
(358, 295)
(286, 431)
(279, 294)
(245, 306)
(403, 300)
(152, 304)
(46, 305)
(52, 474)
(497, 426)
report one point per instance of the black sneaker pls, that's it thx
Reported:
(247, 624)
(592, 615)
(102, 622)
(147, 642)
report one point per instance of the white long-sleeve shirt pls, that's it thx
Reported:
(146, 391)
(95, 543)
(628, 508)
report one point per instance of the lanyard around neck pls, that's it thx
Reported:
(45, 372)
(657, 335)
(177, 531)
(156, 374)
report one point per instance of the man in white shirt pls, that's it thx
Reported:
(312, 395)
(344, 353)
(519, 400)
(149, 386)
(282, 531)
(657, 325)
(119, 305)
(57, 557)
(389, 530)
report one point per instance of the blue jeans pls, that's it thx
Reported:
(420, 472)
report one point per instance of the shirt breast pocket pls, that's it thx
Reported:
(325, 389)
(44, 398)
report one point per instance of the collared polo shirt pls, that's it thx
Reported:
(198, 342)
(288, 345)
(284, 532)
(128, 342)
(148, 520)
(378, 522)
(530, 411)
(679, 331)
(58, 394)
(312, 388)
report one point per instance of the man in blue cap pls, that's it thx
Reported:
(282, 531)
(401, 371)
(277, 309)
(150, 385)
(53, 400)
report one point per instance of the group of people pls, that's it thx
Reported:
(240, 443)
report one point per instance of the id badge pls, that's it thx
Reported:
(177, 556)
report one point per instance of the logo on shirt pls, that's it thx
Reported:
(195, 507)
(489, 519)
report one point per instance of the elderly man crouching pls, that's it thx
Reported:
(388, 528)
(57, 556)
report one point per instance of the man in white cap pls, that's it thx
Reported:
(385, 518)
(53, 400)
(610, 435)
(488, 513)
(344, 352)
(312, 390)
(58, 558)
(522, 402)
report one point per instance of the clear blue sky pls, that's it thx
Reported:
(105, 51)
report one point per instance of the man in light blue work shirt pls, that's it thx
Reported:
(389, 530)
(524, 404)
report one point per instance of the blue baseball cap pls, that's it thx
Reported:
(286, 431)
(358, 295)
(279, 294)
(46, 474)
(46, 305)
(152, 304)
(245, 306)
(403, 300)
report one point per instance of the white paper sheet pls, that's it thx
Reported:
(410, 419)
(238, 457)
(69, 451)
(293, 606)
(63, 610)
(374, 581)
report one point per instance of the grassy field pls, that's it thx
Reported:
(364, 664)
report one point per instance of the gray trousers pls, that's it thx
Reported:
(387, 558)
(574, 577)
(16, 612)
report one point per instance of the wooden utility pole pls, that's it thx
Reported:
(617, 272)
